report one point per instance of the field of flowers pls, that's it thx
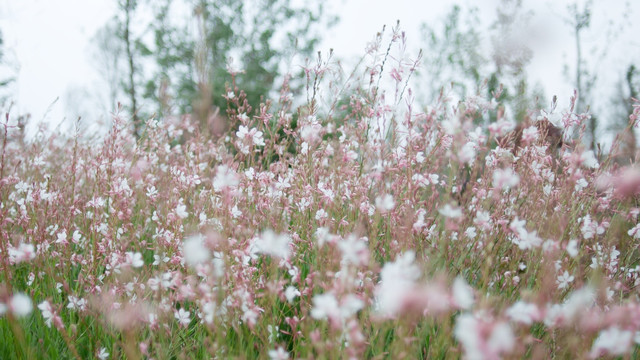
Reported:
(358, 224)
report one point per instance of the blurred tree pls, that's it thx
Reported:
(118, 51)
(5, 81)
(455, 55)
(128, 7)
(580, 20)
(622, 107)
(108, 55)
(589, 63)
(179, 63)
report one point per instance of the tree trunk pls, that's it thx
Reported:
(129, 6)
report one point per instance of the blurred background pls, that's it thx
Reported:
(74, 58)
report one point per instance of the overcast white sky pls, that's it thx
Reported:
(48, 42)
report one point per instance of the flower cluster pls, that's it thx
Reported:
(375, 227)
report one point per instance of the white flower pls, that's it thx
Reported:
(250, 173)
(157, 259)
(468, 153)
(483, 220)
(462, 293)
(471, 232)
(324, 306)
(24, 252)
(581, 184)
(20, 305)
(564, 280)
(397, 279)
(258, 140)
(134, 259)
(523, 312)
(323, 235)
(310, 132)
(291, 293)
(612, 341)
(589, 228)
(354, 250)
(321, 214)
(225, 178)
(482, 340)
(278, 354)
(385, 203)
(572, 248)
(270, 243)
(77, 303)
(554, 118)
(255, 135)
(152, 192)
(208, 311)
(47, 312)
(242, 132)
(505, 179)
(103, 354)
(635, 231)
(61, 238)
(181, 210)
(502, 127)
(244, 118)
(578, 301)
(235, 212)
(183, 317)
(589, 160)
(524, 239)
(76, 237)
(350, 306)
(449, 211)
(530, 134)
(420, 180)
(194, 250)
(434, 178)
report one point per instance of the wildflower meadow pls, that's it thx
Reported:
(347, 220)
